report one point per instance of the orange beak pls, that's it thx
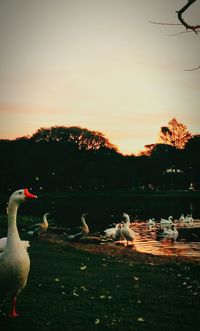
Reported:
(29, 195)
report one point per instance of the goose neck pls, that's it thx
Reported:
(127, 219)
(83, 220)
(45, 219)
(12, 232)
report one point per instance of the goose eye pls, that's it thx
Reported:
(20, 192)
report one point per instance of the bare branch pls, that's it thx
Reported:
(183, 22)
(196, 68)
(189, 27)
(162, 23)
(182, 32)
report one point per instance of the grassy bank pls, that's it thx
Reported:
(74, 290)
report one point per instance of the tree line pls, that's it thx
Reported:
(63, 159)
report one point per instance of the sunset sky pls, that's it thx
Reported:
(98, 64)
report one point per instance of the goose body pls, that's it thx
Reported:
(151, 223)
(188, 219)
(170, 234)
(182, 218)
(84, 230)
(14, 260)
(110, 232)
(3, 242)
(127, 232)
(39, 228)
(166, 222)
(118, 233)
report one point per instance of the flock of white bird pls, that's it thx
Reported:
(121, 231)
(14, 259)
(165, 228)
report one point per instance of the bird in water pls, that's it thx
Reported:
(166, 222)
(14, 260)
(170, 234)
(151, 223)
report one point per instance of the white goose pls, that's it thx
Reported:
(151, 223)
(189, 219)
(84, 230)
(39, 228)
(181, 218)
(170, 234)
(110, 232)
(118, 233)
(166, 222)
(127, 232)
(14, 260)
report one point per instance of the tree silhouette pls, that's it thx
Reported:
(83, 138)
(175, 134)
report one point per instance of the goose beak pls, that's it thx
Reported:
(29, 195)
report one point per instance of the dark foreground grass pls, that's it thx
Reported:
(74, 290)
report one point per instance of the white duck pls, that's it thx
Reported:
(110, 232)
(166, 222)
(170, 234)
(39, 228)
(127, 232)
(151, 223)
(3, 242)
(14, 260)
(118, 233)
(188, 219)
(181, 218)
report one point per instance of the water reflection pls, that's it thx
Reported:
(154, 247)
(146, 242)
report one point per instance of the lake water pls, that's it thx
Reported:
(106, 209)
(187, 244)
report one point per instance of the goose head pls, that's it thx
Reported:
(22, 195)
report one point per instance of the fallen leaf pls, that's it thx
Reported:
(83, 267)
(136, 278)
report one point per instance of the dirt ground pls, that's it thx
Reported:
(121, 252)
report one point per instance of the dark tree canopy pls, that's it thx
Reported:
(82, 137)
(61, 159)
